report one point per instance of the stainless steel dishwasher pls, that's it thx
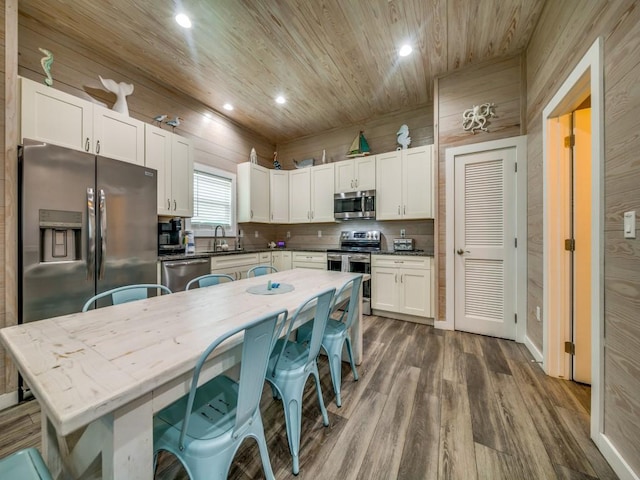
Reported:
(177, 273)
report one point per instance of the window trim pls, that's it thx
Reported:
(209, 232)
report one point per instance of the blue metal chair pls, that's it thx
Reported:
(290, 365)
(336, 334)
(26, 464)
(260, 270)
(208, 280)
(205, 428)
(128, 293)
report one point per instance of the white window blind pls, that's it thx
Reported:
(212, 200)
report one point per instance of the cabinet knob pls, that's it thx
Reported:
(404, 211)
(398, 209)
(86, 145)
(98, 147)
(251, 211)
(168, 204)
(175, 205)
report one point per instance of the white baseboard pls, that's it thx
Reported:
(617, 462)
(537, 354)
(8, 400)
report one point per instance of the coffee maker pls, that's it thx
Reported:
(169, 238)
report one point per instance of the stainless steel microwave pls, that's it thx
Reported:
(355, 205)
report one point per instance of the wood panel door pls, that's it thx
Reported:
(299, 196)
(322, 185)
(417, 182)
(389, 186)
(279, 195)
(485, 236)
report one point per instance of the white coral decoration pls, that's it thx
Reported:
(121, 90)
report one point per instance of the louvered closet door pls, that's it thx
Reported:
(485, 266)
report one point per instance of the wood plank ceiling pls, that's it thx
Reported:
(335, 61)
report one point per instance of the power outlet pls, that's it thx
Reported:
(402, 232)
(288, 234)
(256, 234)
(319, 233)
(538, 312)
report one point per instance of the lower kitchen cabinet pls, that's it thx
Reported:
(316, 260)
(402, 284)
(235, 265)
(281, 260)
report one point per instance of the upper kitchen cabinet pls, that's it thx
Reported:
(253, 193)
(279, 195)
(404, 184)
(172, 156)
(311, 194)
(355, 174)
(56, 117)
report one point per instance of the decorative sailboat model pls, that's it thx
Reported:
(359, 147)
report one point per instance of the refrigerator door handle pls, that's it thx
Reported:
(103, 233)
(91, 230)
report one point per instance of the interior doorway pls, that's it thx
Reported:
(573, 226)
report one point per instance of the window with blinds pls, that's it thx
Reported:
(213, 199)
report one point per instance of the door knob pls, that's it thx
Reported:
(460, 251)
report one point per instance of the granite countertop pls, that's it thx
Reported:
(413, 253)
(209, 254)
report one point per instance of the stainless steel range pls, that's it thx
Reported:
(354, 255)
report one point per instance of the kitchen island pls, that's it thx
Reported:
(100, 376)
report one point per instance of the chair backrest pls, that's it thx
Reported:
(207, 280)
(259, 337)
(322, 303)
(352, 306)
(260, 270)
(128, 293)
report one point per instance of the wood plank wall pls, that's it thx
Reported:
(565, 32)
(379, 132)
(499, 82)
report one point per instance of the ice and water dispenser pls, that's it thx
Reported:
(60, 235)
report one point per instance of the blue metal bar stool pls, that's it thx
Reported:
(26, 464)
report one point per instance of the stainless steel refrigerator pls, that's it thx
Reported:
(87, 224)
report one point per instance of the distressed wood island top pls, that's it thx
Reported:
(111, 369)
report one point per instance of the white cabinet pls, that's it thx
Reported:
(279, 196)
(172, 156)
(235, 265)
(402, 284)
(281, 260)
(264, 258)
(311, 194)
(404, 184)
(53, 116)
(355, 174)
(253, 193)
(315, 260)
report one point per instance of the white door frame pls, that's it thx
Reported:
(587, 75)
(520, 144)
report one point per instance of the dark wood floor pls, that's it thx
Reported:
(429, 405)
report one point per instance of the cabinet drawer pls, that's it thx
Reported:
(310, 257)
(264, 258)
(401, 261)
(230, 261)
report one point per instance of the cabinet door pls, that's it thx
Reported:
(181, 176)
(56, 117)
(158, 156)
(299, 196)
(384, 288)
(322, 183)
(279, 195)
(415, 291)
(286, 260)
(417, 185)
(344, 176)
(388, 186)
(118, 136)
(364, 170)
(259, 194)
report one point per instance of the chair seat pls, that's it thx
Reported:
(24, 465)
(293, 360)
(213, 411)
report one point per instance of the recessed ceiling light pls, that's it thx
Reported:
(183, 20)
(227, 106)
(405, 50)
(280, 99)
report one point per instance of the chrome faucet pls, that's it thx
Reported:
(215, 237)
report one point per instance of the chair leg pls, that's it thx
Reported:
(293, 417)
(264, 452)
(353, 364)
(335, 368)
(323, 409)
